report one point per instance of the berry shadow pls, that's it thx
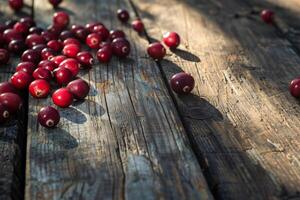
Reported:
(186, 55)
(73, 114)
(90, 107)
(62, 138)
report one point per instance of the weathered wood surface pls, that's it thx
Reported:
(125, 141)
(243, 122)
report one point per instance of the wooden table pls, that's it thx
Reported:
(235, 137)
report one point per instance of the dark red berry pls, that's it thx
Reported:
(61, 19)
(156, 50)
(75, 27)
(48, 117)
(22, 28)
(65, 35)
(71, 41)
(47, 64)
(104, 54)
(102, 31)
(182, 83)
(39, 88)
(171, 39)
(28, 21)
(47, 35)
(27, 67)
(85, 59)
(63, 76)
(34, 39)
(79, 88)
(89, 26)
(16, 4)
(16, 46)
(62, 97)
(71, 50)
(11, 34)
(114, 34)
(81, 34)
(4, 56)
(47, 53)
(7, 87)
(39, 48)
(55, 45)
(267, 16)
(31, 55)
(11, 101)
(71, 64)
(55, 29)
(58, 59)
(123, 15)
(4, 114)
(35, 30)
(55, 3)
(120, 47)
(93, 40)
(138, 25)
(42, 73)
(295, 88)
(21, 80)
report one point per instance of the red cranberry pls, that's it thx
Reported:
(62, 97)
(34, 39)
(39, 48)
(55, 29)
(48, 117)
(295, 88)
(22, 28)
(93, 40)
(75, 27)
(47, 64)
(55, 3)
(4, 114)
(104, 54)
(171, 39)
(27, 67)
(61, 19)
(42, 73)
(113, 34)
(71, 64)
(3, 28)
(47, 35)
(58, 59)
(47, 53)
(16, 46)
(71, 50)
(79, 88)
(71, 41)
(123, 15)
(55, 45)
(39, 88)
(120, 47)
(90, 26)
(85, 58)
(4, 56)
(31, 55)
(267, 16)
(21, 80)
(65, 35)
(11, 101)
(81, 34)
(182, 83)
(102, 31)
(7, 87)
(35, 30)
(28, 21)
(156, 50)
(11, 34)
(63, 76)
(104, 44)
(138, 25)
(16, 4)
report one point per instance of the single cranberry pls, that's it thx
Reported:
(48, 117)
(295, 88)
(81, 34)
(16, 46)
(11, 101)
(123, 15)
(114, 34)
(138, 26)
(71, 50)
(267, 16)
(120, 47)
(31, 55)
(75, 27)
(55, 45)
(21, 79)
(10, 23)
(35, 30)
(85, 59)
(104, 44)
(27, 67)
(90, 26)
(22, 28)
(65, 35)
(156, 50)
(55, 29)
(71, 41)
(39, 48)
(55, 3)
(16, 4)
(47, 64)
(182, 83)
(4, 56)
(58, 59)
(39, 88)
(93, 40)
(34, 39)
(63, 76)
(62, 97)
(28, 21)
(42, 73)
(171, 39)
(61, 19)
(7, 87)
(104, 54)
(4, 114)
(47, 53)
(11, 34)
(71, 64)
(47, 35)
(102, 31)
(79, 88)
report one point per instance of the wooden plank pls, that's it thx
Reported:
(125, 141)
(243, 123)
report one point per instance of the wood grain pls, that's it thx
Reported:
(243, 123)
(125, 141)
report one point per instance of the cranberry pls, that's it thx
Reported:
(156, 50)
(42, 73)
(2, 40)
(58, 59)
(47, 64)
(71, 41)
(65, 35)
(113, 34)
(71, 64)
(16, 4)
(182, 83)
(34, 39)
(47, 53)
(93, 40)
(295, 88)
(7, 87)
(27, 67)
(54, 29)
(22, 28)
(47, 35)
(90, 26)
(4, 56)
(28, 21)
(104, 54)
(102, 31)
(61, 19)
(11, 34)
(55, 45)
(85, 58)
(79, 88)
(104, 44)
(31, 55)
(123, 15)
(16, 46)
(55, 3)
(39, 88)
(75, 27)
(48, 117)
(120, 47)
(11, 101)
(267, 16)
(171, 39)
(138, 25)
(63, 76)
(4, 114)
(3, 28)
(21, 80)
(62, 97)
(39, 48)
(71, 50)
(35, 30)
(81, 34)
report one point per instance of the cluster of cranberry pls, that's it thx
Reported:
(18, 4)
